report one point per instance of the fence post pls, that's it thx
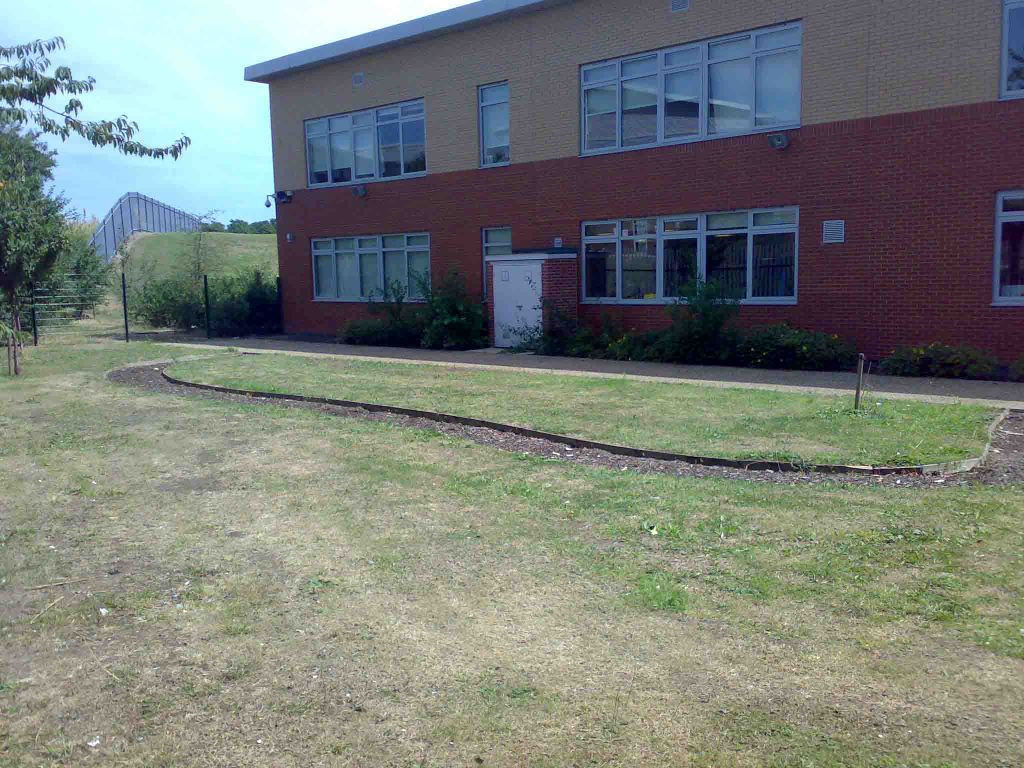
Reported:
(124, 305)
(35, 324)
(860, 382)
(206, 303)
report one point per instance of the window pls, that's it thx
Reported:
(724, 87)
(1012, 85)
(497, 242)
(1009, 267)
(359, 268)
(384, 143)
(751, 254)
(494, 120)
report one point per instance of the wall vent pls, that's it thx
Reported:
(680, 5)
(358, 79)
(833, 232)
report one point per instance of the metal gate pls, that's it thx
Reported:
(65, 307)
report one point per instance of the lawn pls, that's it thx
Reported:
(735, 423)
(257, 585)
(164, 255)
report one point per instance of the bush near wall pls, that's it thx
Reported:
(1017, 370)
(448, 318)
(941, 360)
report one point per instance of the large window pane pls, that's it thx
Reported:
(680, 266)
(601, 105)
(727, 263)
(682, 103)
(389, 140)
(640, 111)
(1011, 260)
(369, 275)
(394, 269)
(419, 273)
(318, 156)
(364, 153)
(414, 148)
(348, 276)
(1015, 50)
(494, 128)
(341, 157)
(777, 89)
(599, 267)
(639, 269)
(326, 287)
(774, 265)
(729, 96)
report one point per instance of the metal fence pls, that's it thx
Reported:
(137, 213)
(60, 307)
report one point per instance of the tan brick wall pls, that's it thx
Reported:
(862, 58)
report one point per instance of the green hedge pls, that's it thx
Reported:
(941, 360)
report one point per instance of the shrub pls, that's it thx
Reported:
(401, 326)
(452, 318)
(244, 303)
(780, 346)
(240, 304)
(941, 360)
(701, 330)
(1017, 369)
(172, 302)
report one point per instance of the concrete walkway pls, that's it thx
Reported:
(995, 393)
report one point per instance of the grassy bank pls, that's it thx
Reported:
(736, 423)
(158, 256)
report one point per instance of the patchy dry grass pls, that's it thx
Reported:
(739, 423)
(270, 586)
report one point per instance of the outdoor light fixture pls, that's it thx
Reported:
(281, 198)
(778, 140)
(290, 237)
(359, 190)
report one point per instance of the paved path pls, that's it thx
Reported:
(996, 393)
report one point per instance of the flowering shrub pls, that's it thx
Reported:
(941, 360)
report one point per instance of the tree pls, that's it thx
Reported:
(33, 232)
(265, 227)
(26, 86)
(211, 226)
(239, 227)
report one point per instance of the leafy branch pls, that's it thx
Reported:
(26, 85)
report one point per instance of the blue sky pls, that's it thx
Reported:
(176, 68)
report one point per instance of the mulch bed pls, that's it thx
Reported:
(1005, 462)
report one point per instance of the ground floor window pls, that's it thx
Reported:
(752, 254)
(1009, 277)
(359, 268)
(497, 242)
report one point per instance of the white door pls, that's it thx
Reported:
(517, 307)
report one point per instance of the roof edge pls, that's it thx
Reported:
(397, 34)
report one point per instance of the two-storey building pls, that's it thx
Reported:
(850, 167)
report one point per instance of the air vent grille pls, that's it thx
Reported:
(358, 79)
(680, 5)
(833, 232)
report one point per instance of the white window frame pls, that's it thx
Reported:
(702, 62)
(493, 249)
(480, 104)
(700, 234)
(1004, 69)
(358, 249)
(997, 264)
(372, 119)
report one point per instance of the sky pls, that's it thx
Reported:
(176, 68)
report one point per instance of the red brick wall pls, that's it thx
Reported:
(560, 283)
(917, 192)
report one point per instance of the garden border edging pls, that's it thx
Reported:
(949, 467)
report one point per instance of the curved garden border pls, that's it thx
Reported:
(948, 467)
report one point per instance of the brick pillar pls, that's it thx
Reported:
(560, 288)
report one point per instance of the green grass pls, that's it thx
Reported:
(165, 255)
(283, 586)
(684, 418)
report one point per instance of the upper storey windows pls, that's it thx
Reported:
(723, 87)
